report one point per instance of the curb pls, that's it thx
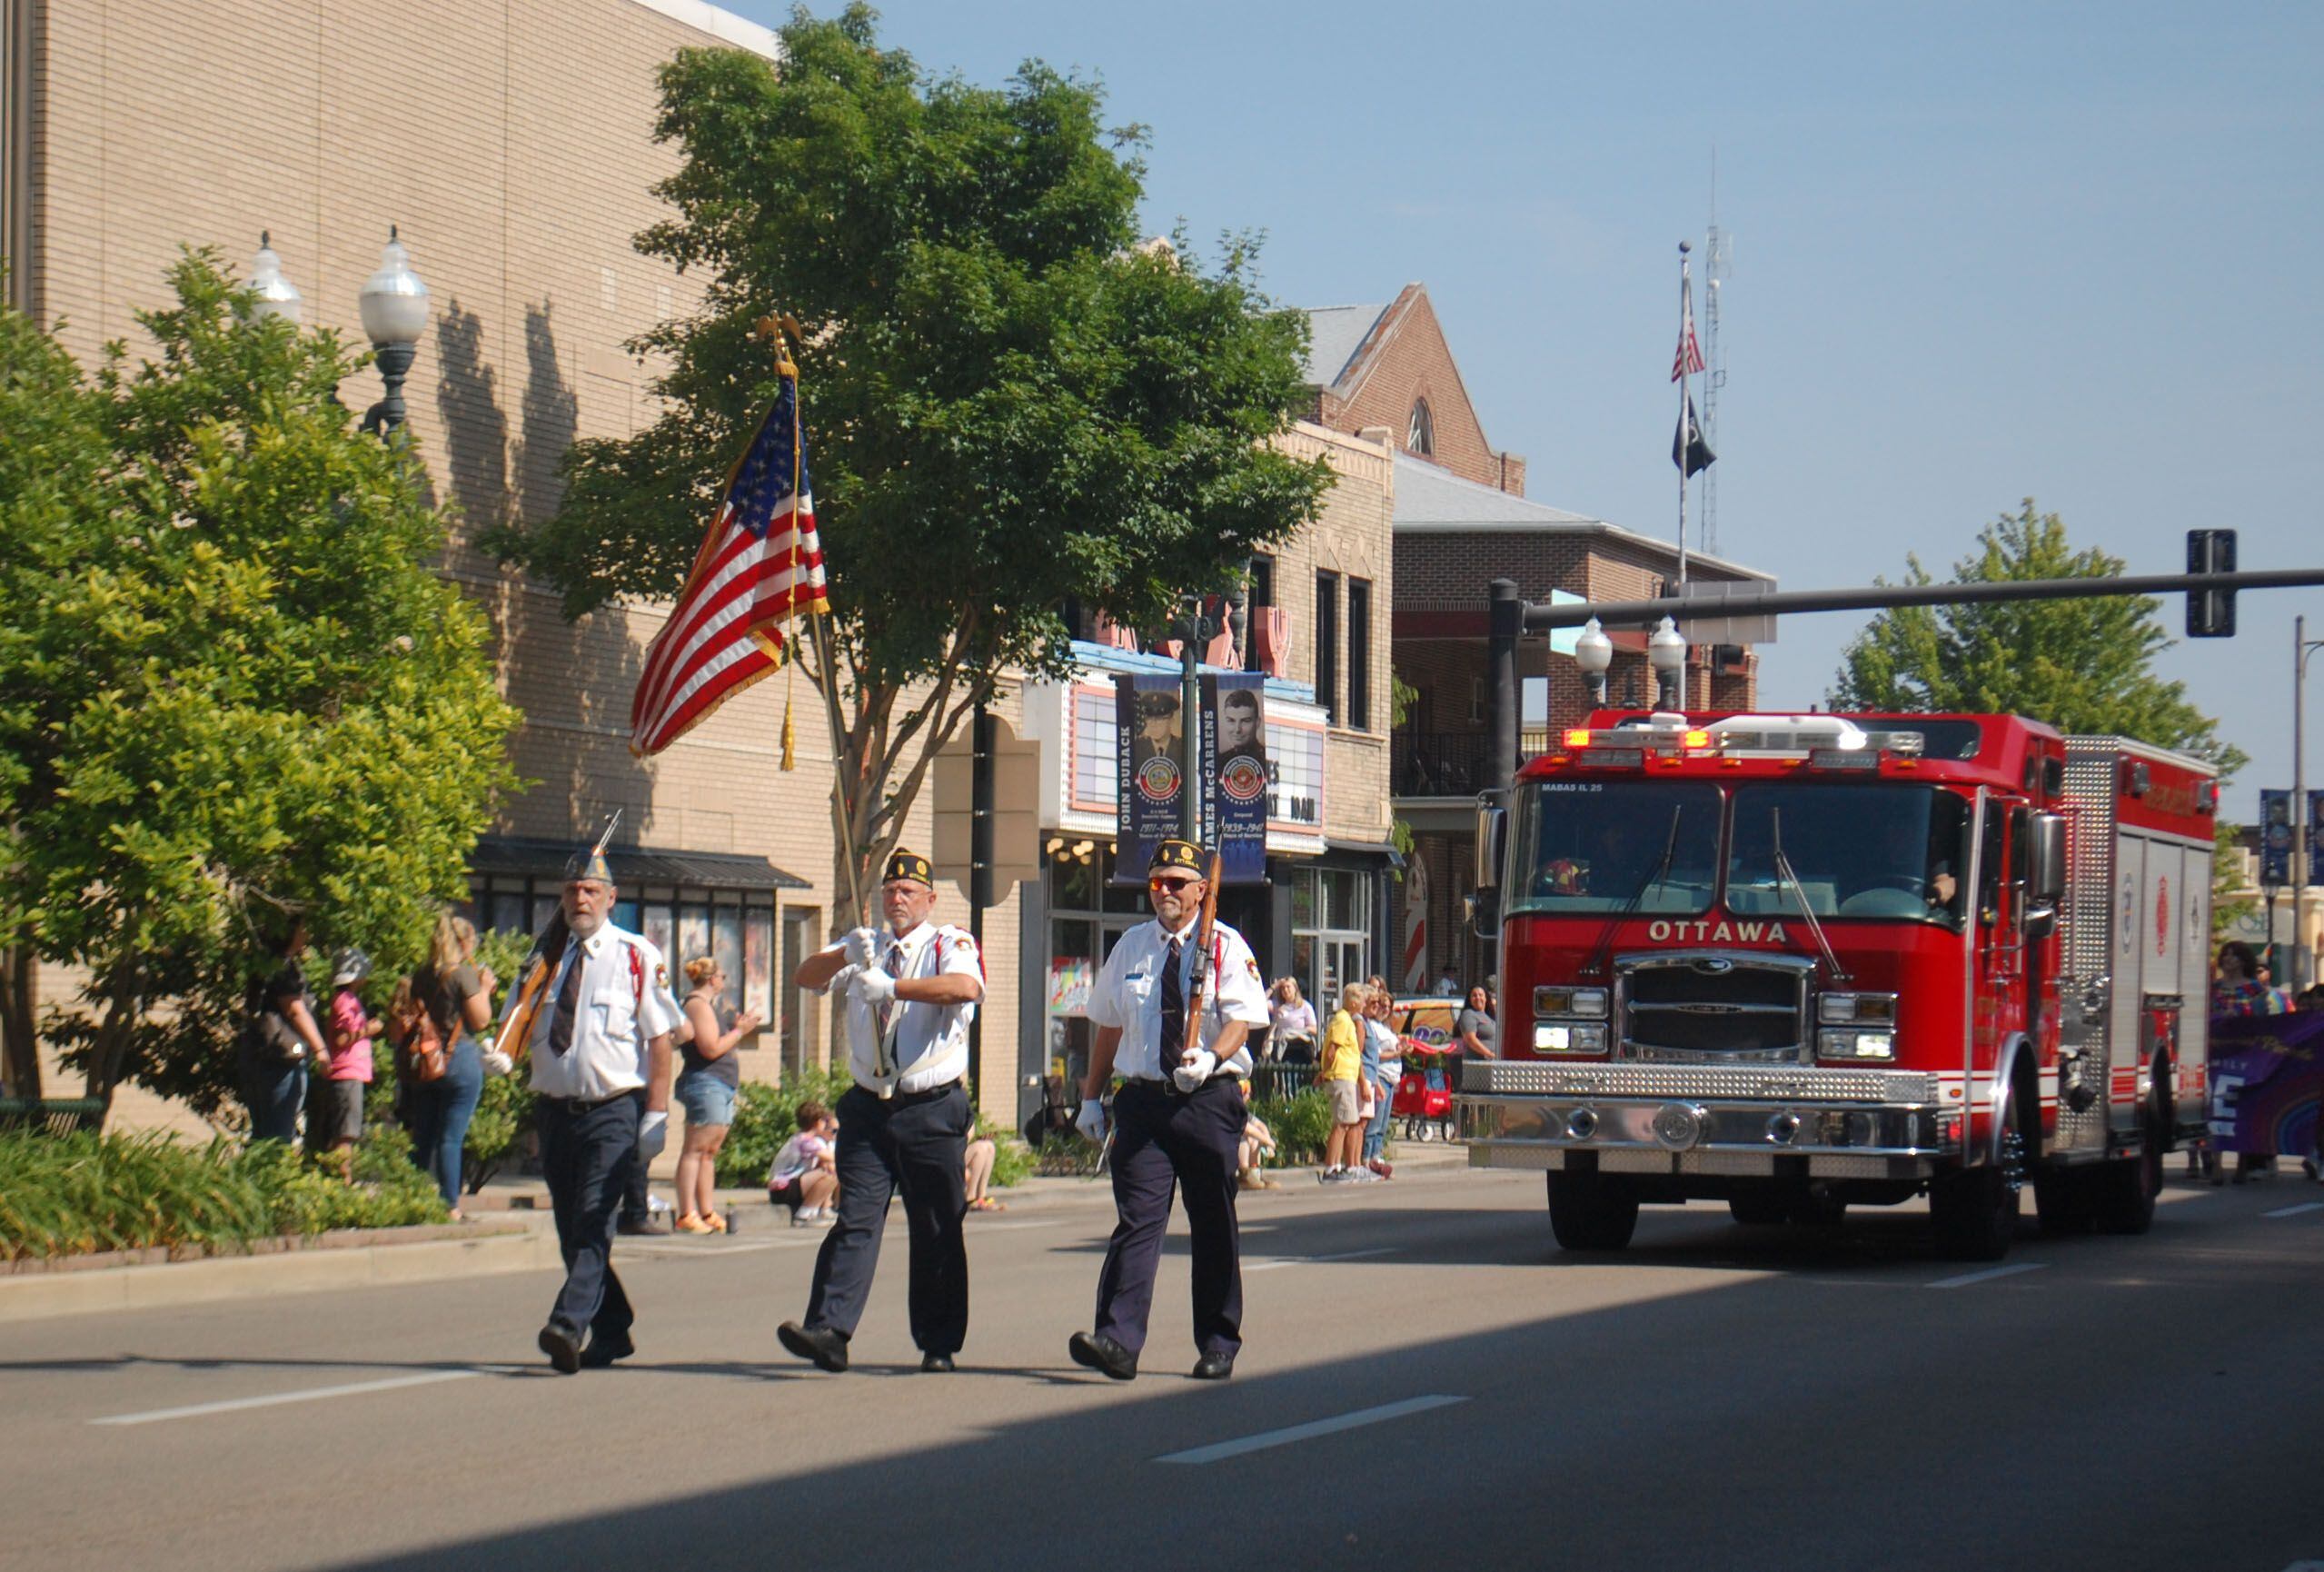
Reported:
(34, 1296)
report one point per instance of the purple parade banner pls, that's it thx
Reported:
(1237, 775)
(2267, 1073)
(1150, 735)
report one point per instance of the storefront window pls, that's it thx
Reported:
(1331, 931)
(1088, 913)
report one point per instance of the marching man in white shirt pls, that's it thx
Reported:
(911, 992)
(594, 1015)
(1177, 1119)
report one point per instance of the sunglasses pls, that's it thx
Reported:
(1172, 885)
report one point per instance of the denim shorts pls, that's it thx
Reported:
(706, 1098)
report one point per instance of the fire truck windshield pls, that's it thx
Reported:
(1580, 847)
(1861, 852)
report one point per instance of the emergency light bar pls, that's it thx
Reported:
(1823, 742)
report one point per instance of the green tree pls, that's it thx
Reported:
(1010, 402)
(235, 692)
(2084, 666)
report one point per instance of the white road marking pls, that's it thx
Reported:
(2293, 1212)
(1284, 1438)
(311, 1395)
(1311, 1260)
(1988, 1275)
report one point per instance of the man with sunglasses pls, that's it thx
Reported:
(911, 992)
(1178, 1120)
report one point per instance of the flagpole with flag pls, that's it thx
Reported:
(1688, 361)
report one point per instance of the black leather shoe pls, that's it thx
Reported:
(639, 1227)
(564, 1349)
(1214, 1367)
(602, 1351)
(936, 1364)
(1102, 1354)
(826, 1348)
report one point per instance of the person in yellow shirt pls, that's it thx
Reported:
(1340, 1079)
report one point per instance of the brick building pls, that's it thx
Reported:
(1461, 520)
(513, 146)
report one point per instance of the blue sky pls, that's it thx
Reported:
(1980, 252)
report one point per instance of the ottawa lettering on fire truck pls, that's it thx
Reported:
(1805, 962)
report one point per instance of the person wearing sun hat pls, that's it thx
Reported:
(911, 991)
(1178, 1120)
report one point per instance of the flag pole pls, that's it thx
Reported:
(773, 329)
(1685, 322)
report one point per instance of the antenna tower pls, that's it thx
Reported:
(1718, 260)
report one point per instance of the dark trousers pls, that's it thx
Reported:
(637, 1208)
(1164, 1142)
(586, 1157)
(915, 1144)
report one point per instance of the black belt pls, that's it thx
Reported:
(926, 1094)
(577, 1106)
(1167, 1084)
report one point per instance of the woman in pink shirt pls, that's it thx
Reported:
(335, 1108)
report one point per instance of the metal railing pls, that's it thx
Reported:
(1449, 764)
(50, 1115)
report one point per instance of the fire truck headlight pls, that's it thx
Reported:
(1857, 1009)
(1856, 1045)
(1590, 1003)
(1553, 1039)
(1564, 1037)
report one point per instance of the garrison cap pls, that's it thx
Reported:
(1183, 854)
(590, 864)
(903, 864)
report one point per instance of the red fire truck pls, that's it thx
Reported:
(1803, 962)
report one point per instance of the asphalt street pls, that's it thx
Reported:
(1426, 1382)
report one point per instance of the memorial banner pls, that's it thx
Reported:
(1150, 733)
(1237, 775)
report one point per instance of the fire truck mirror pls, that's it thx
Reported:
(1485, 914)
(2049, 871)
(1492, 821)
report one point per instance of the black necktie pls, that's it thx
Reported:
(1174, 1010)
(561, 1025)
(892, 963)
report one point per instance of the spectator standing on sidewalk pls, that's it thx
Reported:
(707, 1086)
(1341, 1080)
(1291, 1024)
(336, 1118)
(457, 995)
(1476, 1029)
(1387, 1068)
(279, 1042)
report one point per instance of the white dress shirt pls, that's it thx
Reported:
(625, 1004)
(931, 1040)
(1128, 994)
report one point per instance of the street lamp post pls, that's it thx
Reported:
(271, 294)
(1667, 652)
(1194, 630)
(2302, 970)
(1594, 653)
(394, 306)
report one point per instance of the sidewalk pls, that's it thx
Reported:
(509, 1231)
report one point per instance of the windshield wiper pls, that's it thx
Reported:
(1602, 956)
(1800, 894)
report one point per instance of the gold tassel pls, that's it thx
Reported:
(791, 737)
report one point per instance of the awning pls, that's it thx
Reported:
(1386, 848)
(518, 857)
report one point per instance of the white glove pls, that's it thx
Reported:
(1091, 1121)
(874, 987)
(497, 1063)
(653, 1134)
(1194, 1069)
(859, 943)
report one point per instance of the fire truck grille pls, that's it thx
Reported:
(1539, 1078)
(1711, 1007)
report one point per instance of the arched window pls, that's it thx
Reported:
(1422, 437)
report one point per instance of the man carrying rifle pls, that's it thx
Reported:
(1172, 1007)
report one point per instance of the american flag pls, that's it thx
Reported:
(760, 563)
(1688, 361)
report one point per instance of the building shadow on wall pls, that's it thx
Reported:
(573, 681)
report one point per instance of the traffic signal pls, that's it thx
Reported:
(2210, 614)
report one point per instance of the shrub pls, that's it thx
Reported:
(764, 1118)
(1300, 1125)
(76, 1194)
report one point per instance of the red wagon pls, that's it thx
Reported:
(1424, 1098)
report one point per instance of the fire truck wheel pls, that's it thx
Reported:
(1760, 1209)
(1588, 1211)
(2128, 1186)
(1818, 1208)
(1976, 1209)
